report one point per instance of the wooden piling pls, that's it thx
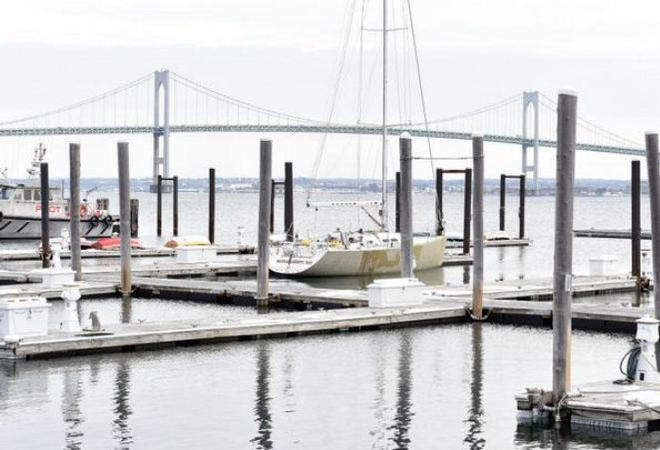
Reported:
(45, 216)
(265, 196)
(635, 222)
(502, 202)
(563, 248)
(212, 205)
(439, 218)
(135, 217)
(654, 198)
(288, 201)
(124, 216)
(271, 217)
(397, 202)
(175, 206)
(478, 224)
(405, 152)
(74, 209)
(467, 211)
(159, 206)
(521, 207)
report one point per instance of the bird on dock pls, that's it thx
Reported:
(96, 323)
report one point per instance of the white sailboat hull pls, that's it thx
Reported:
(336, 262)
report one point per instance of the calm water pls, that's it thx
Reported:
(431, 387)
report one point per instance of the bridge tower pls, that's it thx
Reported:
(531, 99)
(161, 81)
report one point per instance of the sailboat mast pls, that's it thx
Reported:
(384, 218)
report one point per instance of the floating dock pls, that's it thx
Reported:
(34, 255)
(513, 242)
(610, 234)
(622, 408)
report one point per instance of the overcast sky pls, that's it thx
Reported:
(282, 55)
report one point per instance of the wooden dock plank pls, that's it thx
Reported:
(154, 334)
(609, 233)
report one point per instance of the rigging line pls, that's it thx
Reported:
(421, 86)
(397, 68)
(335, 95)
(79, 104)
(360, 99)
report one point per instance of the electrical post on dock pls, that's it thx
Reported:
(651, 140)
(175, 205)
(521, 206)
(45, 217)
(212, 205)
(74, 209)
(478, 226)
(265, 195)
(124, 217)
(406, 223)
(563, 248)
(467, 204)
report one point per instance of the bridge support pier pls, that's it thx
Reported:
(531, 98)
(161, 80)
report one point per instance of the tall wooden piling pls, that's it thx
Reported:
(654, 198)
(159, 206)
(265, 186)
(288, 201)
(467, 211)
(397, 202)
(635, 222)
(135, 217)
(439, 226)
(175, 206)
(124, 217)
(502, 201)
(212, 205)
(521, 208)
(478, 224)
(271, 217)
(563, 248)
(45, 216)
(74, 209)
(405, 152)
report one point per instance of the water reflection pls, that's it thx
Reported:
(378, 405)
(71, 413)
(404, 412)
(500, 264)
(474, 437)
(466, 274)
(122, 431)
(262, 405)
(126, 310)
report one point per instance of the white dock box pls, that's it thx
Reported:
(196, 254)
(603, 265)
(23, 317)
(54, 277)
(392, 292)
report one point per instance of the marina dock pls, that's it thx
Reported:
(129, 337)
(610, 234)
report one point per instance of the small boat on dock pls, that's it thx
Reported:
(20, 209)
(354, 254)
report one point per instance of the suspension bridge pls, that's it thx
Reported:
(163, 102)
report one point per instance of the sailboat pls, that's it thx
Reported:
(361, 252)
